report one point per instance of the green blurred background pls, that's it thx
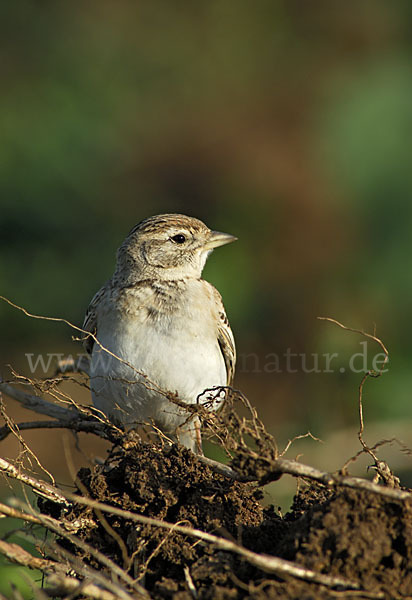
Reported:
(286, 123)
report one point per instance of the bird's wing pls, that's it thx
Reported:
(90, 319)
(225, 339)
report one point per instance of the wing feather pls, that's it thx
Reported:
(225, 339)
(90, 319)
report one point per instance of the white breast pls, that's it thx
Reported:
(178, 352)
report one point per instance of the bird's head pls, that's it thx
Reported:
(169, 246)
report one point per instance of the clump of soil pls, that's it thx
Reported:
(357, 535)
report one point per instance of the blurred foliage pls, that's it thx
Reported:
(20, 578)
(286, 123)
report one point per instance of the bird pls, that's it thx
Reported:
(157, 329)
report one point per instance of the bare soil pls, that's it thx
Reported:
(353, 534)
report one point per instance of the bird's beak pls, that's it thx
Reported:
(218, 238)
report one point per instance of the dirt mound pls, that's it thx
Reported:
(351, 533)
(357, 535)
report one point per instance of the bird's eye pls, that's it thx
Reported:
(179, 238)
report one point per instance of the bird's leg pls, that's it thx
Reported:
(189, 435)
(199, 449)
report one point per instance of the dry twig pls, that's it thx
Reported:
(382, 468)
(69, 586)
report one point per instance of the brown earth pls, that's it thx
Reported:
(353, 534)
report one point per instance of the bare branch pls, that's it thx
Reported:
(331, 479)
(40, 487)
(77, 565)
(8, 511)
(11, 425)
(16, 554)
(65, 586)
(361, 332)
(38, 404)
(222, 469)
(72, 417)
(84, 426)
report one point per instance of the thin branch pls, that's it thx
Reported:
(11, 425)
(64, 586)
(38, 404)
(382, 468)
(77, 565)
(107, 581)
(299, 437)
(16, 554)
(41, 487)
(71, 417)
(14, 513)
(369, 373)
(361, 332)
(225, 470)
(77, 425)
(331, 479)
(283, 466)
(8, 511)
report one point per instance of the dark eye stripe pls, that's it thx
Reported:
(179, 238)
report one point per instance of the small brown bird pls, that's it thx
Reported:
(161, 328)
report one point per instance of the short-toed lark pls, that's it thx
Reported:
(160, 328)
